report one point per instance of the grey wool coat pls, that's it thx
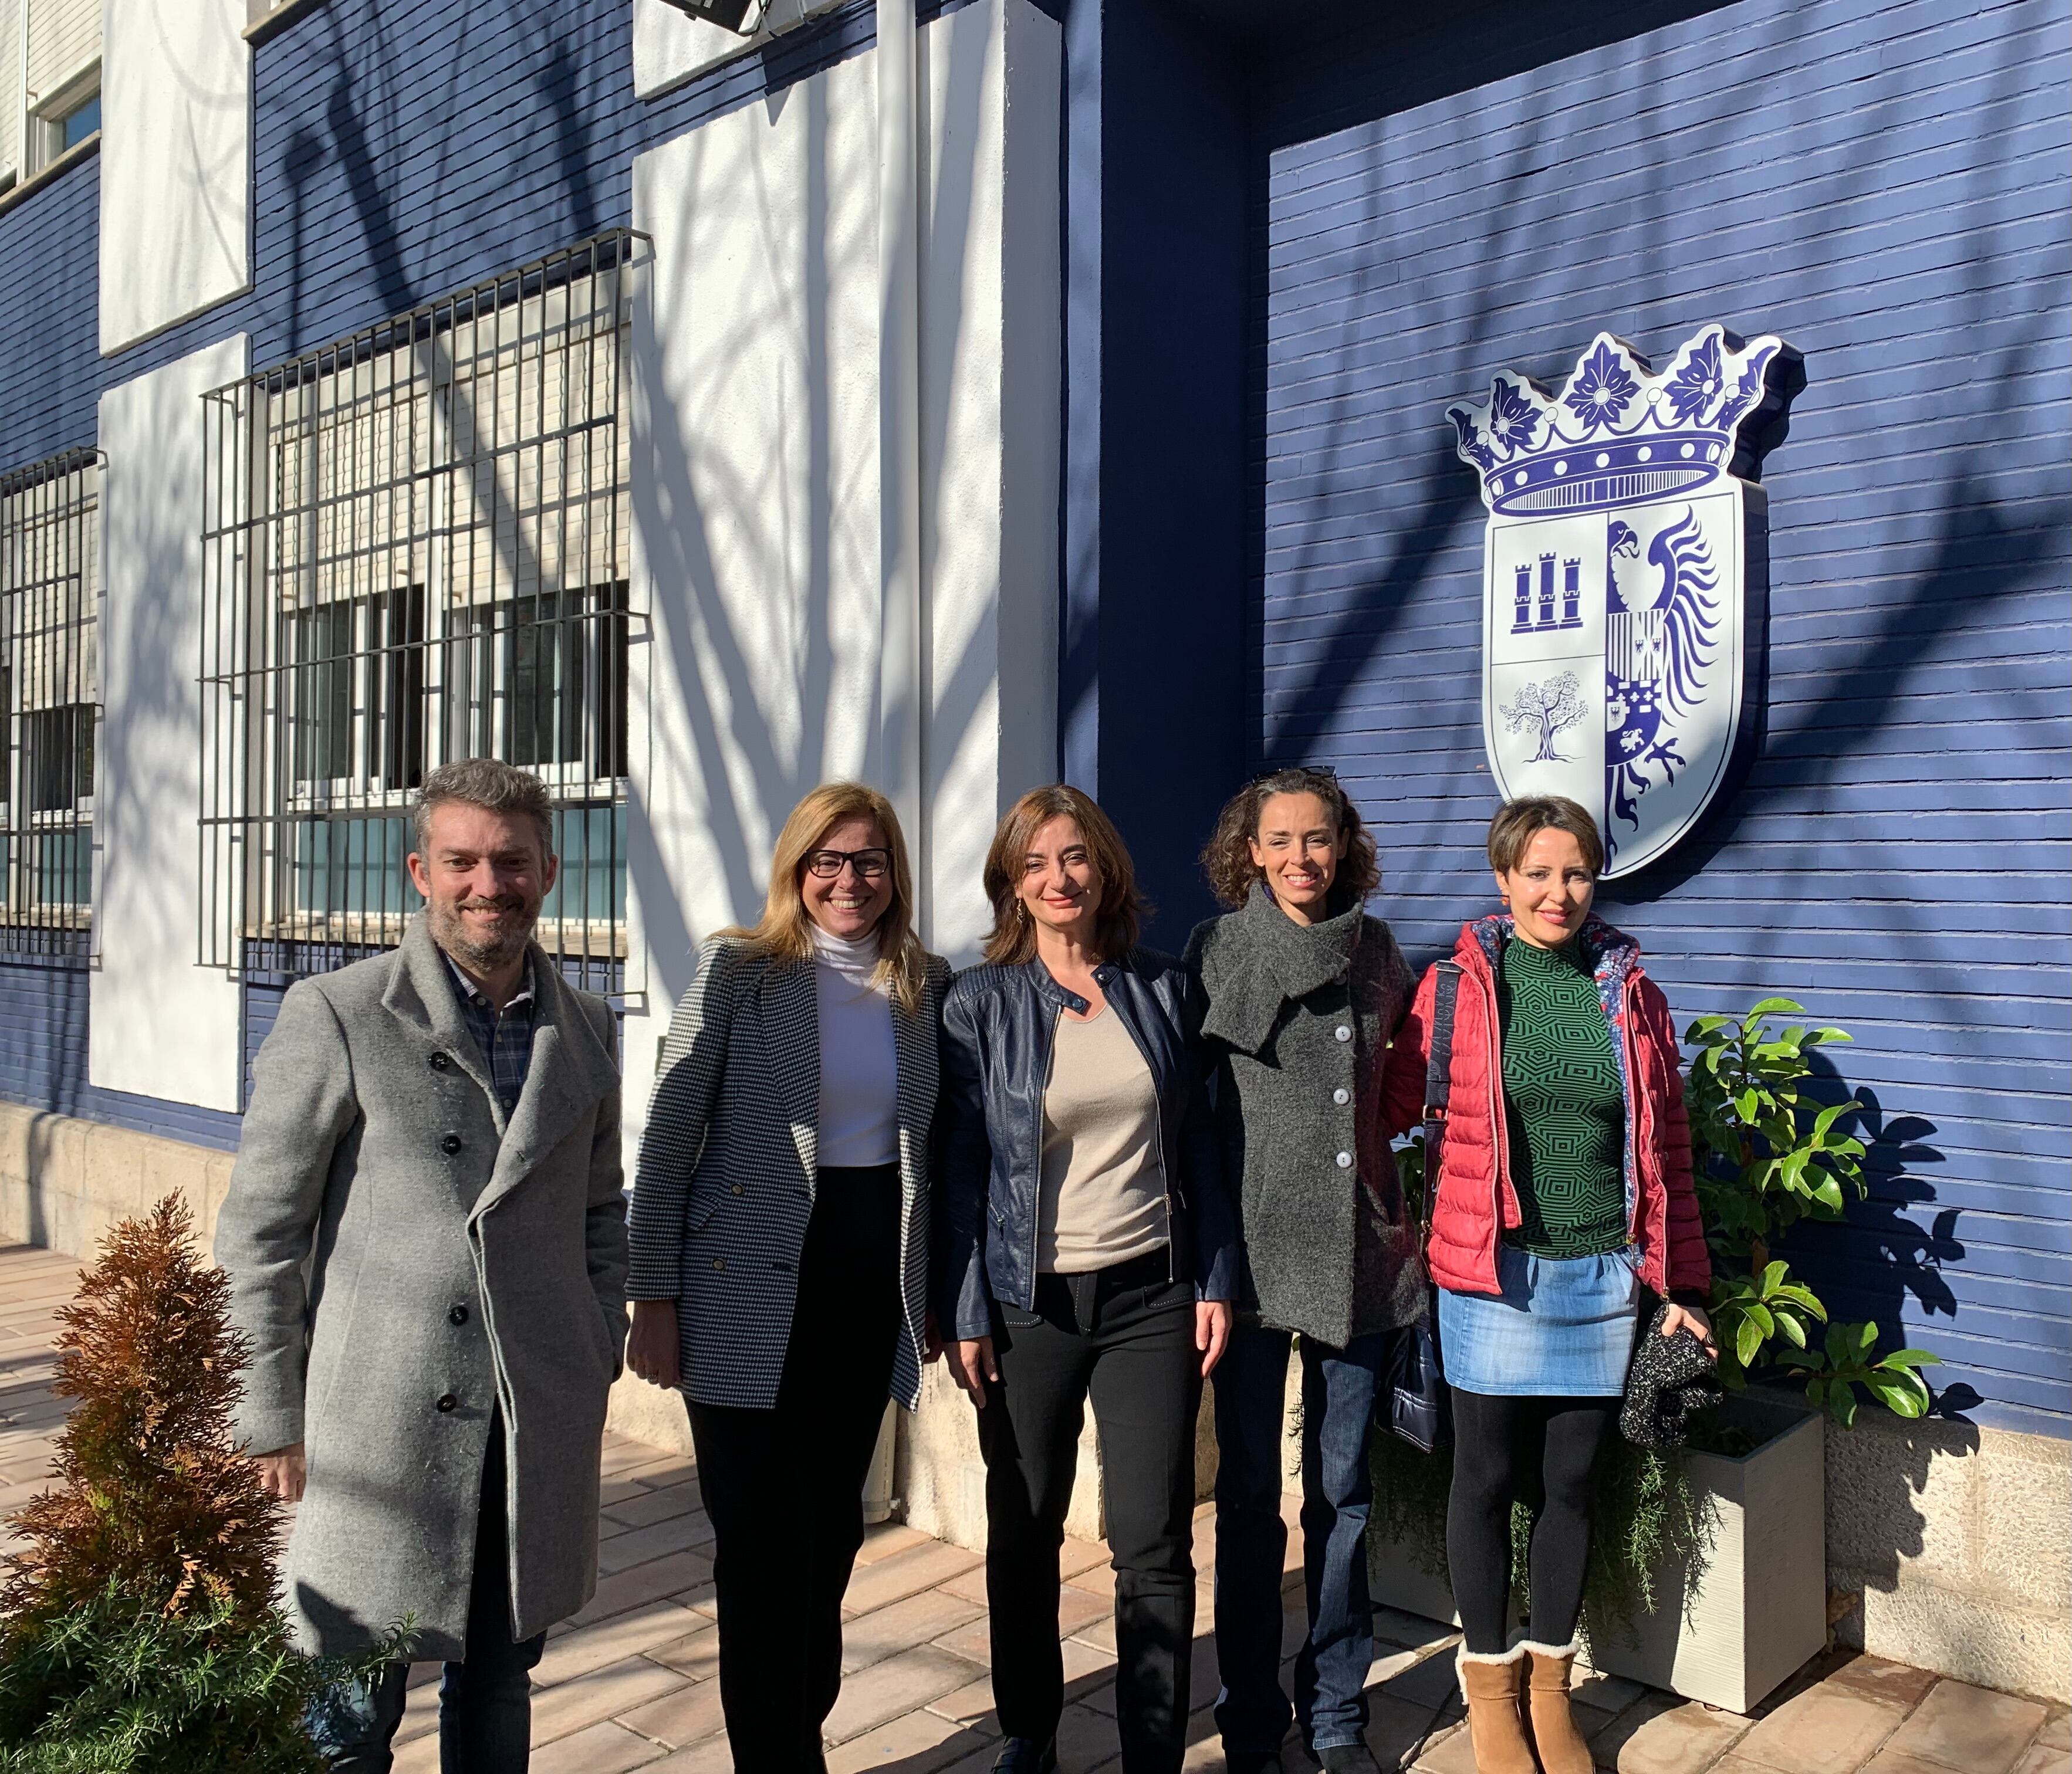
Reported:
(729, 1165)
(452, 1260)
(1299, 1020)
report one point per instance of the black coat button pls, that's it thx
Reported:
(457, 1315)
(447, 1400)
(450, 1144)
(440, 1062)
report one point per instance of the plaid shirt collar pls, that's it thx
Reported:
(505, 1036)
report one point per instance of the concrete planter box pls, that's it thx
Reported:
(1759, 1609)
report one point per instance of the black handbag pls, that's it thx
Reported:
(1419, 1407)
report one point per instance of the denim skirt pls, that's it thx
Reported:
(1562, 1328)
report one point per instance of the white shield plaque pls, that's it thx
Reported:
(1623, 579)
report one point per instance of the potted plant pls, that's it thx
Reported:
(1708, 1572)
(1763, 1159)
(139, 1633)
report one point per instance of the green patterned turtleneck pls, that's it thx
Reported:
(1563, 1106)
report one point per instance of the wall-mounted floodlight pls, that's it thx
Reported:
(744, 17)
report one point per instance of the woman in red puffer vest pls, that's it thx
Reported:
(1564, 1193)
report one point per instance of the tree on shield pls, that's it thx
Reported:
(1550, 708)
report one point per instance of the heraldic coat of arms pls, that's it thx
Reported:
(1625, 577)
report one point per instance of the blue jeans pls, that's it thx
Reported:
(1339, 1390)
(485, 1700)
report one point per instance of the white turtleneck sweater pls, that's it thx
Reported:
(859, 1072)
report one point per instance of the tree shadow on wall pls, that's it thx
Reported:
(428, 218)
(749, 557)
(1879, 1262)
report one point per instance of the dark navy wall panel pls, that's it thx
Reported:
(42, 1061)
(1884, 185)
(50, 343)
(1155, 542)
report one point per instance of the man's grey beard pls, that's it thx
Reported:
(452, 935)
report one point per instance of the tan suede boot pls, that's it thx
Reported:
(1560, 1745)
(1496, 1728)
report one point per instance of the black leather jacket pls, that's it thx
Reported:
(998, 1025)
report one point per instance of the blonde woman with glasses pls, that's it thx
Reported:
(779, 1234)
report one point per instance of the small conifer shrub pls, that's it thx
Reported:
(139, 1631)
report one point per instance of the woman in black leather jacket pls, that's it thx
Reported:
(1086, 1249)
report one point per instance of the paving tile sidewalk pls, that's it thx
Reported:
(631, 1682)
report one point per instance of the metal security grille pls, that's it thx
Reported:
(415, 551)
(49, 590)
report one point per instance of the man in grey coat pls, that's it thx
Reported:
(426, 1238)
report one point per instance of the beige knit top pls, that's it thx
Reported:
(1103, 1194)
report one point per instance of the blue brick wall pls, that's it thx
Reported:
(1884, 185)
(50, 343)
(43, 1060)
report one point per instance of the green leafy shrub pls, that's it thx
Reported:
(1764, 1158)
(139, 1633)
(117, 1687)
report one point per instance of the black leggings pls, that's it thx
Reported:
(1544, 1452)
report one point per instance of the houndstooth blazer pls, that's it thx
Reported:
(729, 1163)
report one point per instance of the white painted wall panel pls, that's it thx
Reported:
(755, 518)
(161, 1025)
(989, 436)
(10, 92)
(755, 482)
(175, 163)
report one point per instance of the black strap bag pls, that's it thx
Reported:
(1419, 1408)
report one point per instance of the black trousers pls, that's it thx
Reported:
(784, 1487)
(1124, 1337)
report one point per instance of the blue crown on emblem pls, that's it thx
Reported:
(1617, 432)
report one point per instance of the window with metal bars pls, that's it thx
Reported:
(415, 550)
(49, 590)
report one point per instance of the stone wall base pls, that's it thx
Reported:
(1949, 1547)
(65, 1183)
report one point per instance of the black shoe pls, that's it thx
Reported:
(1252, 1761)
(1025, 1755)
(1346, 1759)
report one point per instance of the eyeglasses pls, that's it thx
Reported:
(827, 864)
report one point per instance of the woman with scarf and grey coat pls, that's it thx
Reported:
(1304, 991)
